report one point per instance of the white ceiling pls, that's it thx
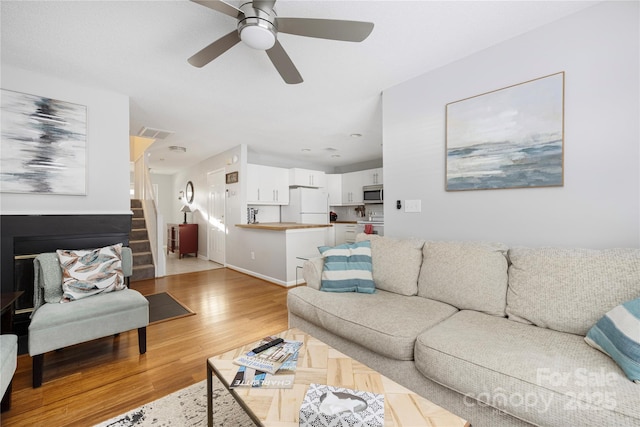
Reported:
(140, 49)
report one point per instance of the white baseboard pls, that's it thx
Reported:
(262, 276)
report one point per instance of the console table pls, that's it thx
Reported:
(8, 309)
(182, 238)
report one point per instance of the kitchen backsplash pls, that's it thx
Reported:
(267, 213)
(348, 213)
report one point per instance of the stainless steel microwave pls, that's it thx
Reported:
(373, 194)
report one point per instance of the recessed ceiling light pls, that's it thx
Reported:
(356, 135)
(335, 155)
(306, 149)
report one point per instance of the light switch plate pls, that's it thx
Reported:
(413, 205)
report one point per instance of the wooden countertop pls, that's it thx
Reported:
(281, 226)
(344, 222)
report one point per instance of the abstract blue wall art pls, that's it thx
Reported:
(43, 145)
(507, 138)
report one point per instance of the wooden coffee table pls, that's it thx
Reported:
(322, 364)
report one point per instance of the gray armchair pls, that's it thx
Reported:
(8, 364)
(55, 325)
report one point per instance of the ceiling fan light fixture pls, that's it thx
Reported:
(258, 37)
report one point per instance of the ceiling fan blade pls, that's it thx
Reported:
(220, 6)
(215, 49)
(333, 29)
(284, 65)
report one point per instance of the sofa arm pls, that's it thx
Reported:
(312, 272)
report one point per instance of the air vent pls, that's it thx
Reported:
(177, 148)
(154, 133)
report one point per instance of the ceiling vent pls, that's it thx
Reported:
(177, 148)
(146, 132)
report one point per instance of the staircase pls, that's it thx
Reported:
(143, 267)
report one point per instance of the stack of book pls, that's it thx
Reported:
(272, 368)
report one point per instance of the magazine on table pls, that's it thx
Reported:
(248, 377)
(281, 374)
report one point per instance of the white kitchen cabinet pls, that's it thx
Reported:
(352, 184)
(346, 189)
(267, 185)
(345, 233)
(307, 178)
(334, 188)
(372, 176)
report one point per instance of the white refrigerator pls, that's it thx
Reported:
(306, 206)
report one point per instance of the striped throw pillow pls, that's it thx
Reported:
(617, 334)
(347, 268)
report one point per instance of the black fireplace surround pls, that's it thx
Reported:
(25, 236)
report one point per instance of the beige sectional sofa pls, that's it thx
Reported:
(493, 334)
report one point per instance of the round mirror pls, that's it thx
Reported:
(189, 193)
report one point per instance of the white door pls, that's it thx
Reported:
(216, 207)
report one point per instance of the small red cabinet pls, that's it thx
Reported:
(182, 238)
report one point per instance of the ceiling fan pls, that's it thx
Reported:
(258, 27)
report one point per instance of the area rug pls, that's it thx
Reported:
(186, 408)
(163, 306)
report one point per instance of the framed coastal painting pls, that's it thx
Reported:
(508, 138)
(43, 145)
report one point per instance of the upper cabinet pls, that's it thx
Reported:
(307, 178)
(346, 189)
(267, 185)
(373, 176)
(334, 188)
(352, 184)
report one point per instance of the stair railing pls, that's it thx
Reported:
(152, 217)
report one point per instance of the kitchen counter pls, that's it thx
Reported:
(281, 226)
(270, 249)
(344, 222)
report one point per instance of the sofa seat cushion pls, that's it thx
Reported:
(384, 322)
(56, 325)
(540, 375)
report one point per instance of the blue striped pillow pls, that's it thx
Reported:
(347, 268)
(618, 335)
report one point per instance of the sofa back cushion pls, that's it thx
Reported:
(396, 263)
(467, 275)
(568, 290)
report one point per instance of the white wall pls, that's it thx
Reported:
(107, 148)
(166, 199)
(599, 204)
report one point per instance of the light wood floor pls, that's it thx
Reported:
(92, 382)
(187, 264)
